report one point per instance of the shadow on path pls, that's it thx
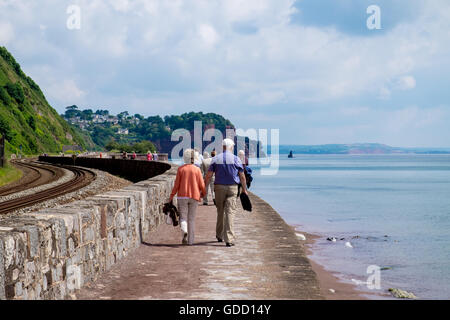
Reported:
(173, 245)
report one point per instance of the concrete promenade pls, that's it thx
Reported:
(268, 262)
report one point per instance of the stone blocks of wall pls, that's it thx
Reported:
(51, 253)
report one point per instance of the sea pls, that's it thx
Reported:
(389, 214)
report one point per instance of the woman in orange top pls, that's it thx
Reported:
(190, 188)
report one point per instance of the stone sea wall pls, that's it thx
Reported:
(51, 253)
(136, 170)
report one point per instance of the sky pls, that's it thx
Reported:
(310, 68)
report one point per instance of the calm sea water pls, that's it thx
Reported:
(393, 209)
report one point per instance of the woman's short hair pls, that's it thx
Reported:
(241, 155)
(205, 155)
(190, 156)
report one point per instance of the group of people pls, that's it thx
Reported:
(150, 156)
(222, 174)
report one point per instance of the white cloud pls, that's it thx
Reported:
(120, 5)
(6, 33)
(384, 93)
(306, 63)
(406, 83)
(65, 91)
(208, 34)
(267, 98)
(353, 111)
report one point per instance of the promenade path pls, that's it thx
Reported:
(268, 262)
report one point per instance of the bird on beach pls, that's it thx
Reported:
(348, 245)
(300, 236)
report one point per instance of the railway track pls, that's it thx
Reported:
(34, 175)
(82, 177)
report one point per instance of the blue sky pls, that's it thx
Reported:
(310, 68)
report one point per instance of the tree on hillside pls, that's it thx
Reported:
(4, 97)
(102, 112)
(5, 129)
(87, 114)
(123, 115)
(144, 146)
(15, 91)
(155, 120)
(11, 61)
(101, 135)
(32, 123)
(186, 120)
(138, 147)
(113, 145)
(72, 111)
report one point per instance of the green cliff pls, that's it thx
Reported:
(26, 118)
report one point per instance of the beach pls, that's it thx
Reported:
(327, 280)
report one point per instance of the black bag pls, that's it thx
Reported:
(248, 176)
(245, 201)
(172, 211)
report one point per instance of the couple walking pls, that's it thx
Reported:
(228, 172)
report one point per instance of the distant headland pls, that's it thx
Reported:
(357, 148)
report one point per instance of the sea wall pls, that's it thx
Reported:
(51, 253)
(133, 170)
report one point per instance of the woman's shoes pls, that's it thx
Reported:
(230, 244)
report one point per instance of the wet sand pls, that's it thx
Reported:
(343, 290)
(327, 281)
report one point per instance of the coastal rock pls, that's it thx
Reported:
(333, 239)
(402, 294)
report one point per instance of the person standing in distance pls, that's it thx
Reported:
(205, 166)
(229, 172)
